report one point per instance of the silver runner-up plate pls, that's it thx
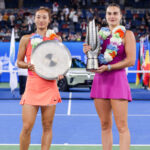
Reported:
(51, 58)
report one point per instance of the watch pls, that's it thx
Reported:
(109, 67)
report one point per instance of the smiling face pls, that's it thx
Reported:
(42, 19)
(113, 16)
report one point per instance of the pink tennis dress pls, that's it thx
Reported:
(112, 84)
(39, 91)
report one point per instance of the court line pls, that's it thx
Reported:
(69, 104)
(65, 144)
(79, 115)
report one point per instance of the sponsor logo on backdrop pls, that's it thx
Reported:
(4, 62)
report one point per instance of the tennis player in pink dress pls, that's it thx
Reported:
(110, 88)
(39, 93)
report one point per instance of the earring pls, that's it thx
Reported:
(121, 21)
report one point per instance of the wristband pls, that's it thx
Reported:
(109, 67)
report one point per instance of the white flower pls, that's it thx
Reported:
(107, 57)
(106, 33)
(49, 32)
(116, 40)
(36, 41)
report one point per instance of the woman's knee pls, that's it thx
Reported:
(106, 125)
(27, 128)
(122, 126)
(47, 125)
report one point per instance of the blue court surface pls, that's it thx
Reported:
(75, 122)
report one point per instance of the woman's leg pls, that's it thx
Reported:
(28, 116)
(48, 113)
(120, 111)
(103, 108)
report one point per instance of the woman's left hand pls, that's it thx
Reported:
(60, 77)
(59, 39)
(101, 69)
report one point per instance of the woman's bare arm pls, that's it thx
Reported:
(22, 50)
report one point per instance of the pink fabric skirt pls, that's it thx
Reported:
(111, 85)
(40, 92)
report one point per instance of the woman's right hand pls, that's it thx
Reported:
(31, 67)
(86, 48)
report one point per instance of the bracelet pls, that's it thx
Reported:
(109, 67)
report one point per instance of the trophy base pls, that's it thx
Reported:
(92, 64)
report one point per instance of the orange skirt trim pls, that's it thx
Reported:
(40, 92)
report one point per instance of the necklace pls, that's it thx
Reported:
(115, 41)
